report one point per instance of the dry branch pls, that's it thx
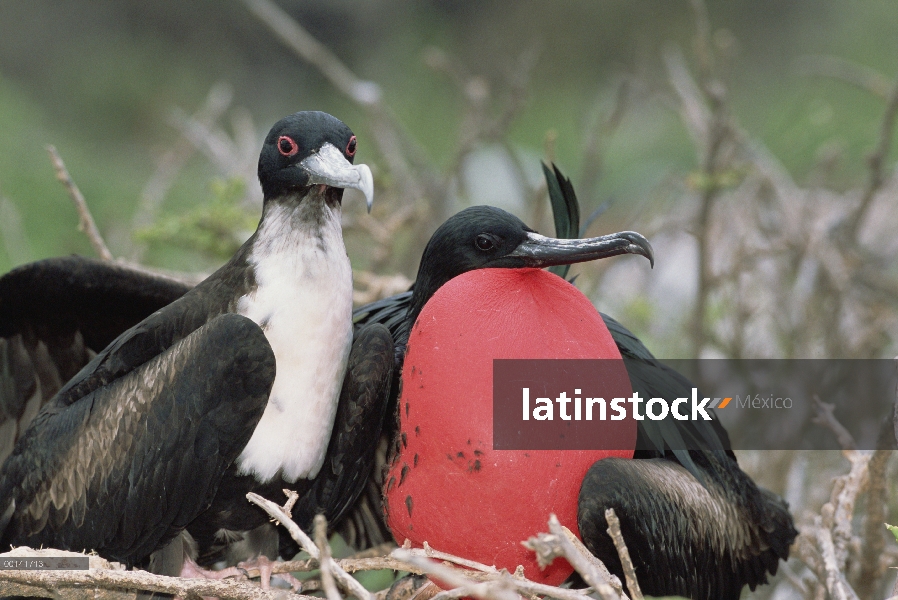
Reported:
(836, 67)
(561, 542)
(872, 567)
(86, 220)
(107, 584)
(324, 559)
(277, 513)
(825, 418)
(624, 554)
(876, 161)
(836, 584)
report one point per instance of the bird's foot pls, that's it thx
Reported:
(191, 570)
(265, 566)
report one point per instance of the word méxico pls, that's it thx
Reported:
(656, 409)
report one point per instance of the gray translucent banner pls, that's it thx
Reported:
(762, 404)
(44, 563)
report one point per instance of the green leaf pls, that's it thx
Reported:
(893, 529)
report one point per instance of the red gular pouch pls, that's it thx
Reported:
(449, 486)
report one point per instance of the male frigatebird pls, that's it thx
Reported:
(695, 523)
(232, 387)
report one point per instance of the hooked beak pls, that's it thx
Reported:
(328, 166)
(541, 251)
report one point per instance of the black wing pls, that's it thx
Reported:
(55, 315)
(704, 542)
(125, 467)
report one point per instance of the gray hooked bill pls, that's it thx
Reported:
(541, 251)
(328, 166)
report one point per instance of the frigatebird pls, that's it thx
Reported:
(694, 522)
(234, 386)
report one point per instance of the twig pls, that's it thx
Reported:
(53, 583)
(797, 582)
(306, 46)
(856, 74)
(594, 571)
(825, 418)
(292, 497)
(807, 551)
(278, 514)
(875, 162)
(835, 581)
(873, 545)
(325, 562)
(452, 577)
(396, 149)
(496, 586)
(844, 496)
(561, 542)
(86, 223)
(624, 554)
(324, 553)
(462, 562)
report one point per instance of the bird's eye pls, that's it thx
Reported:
(483, 242)
(350, 147)
(287, 146)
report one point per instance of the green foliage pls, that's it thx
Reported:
(723, 180)
(216, 228)
(373, 581)
(893, 529)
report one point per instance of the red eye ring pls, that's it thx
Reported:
(350, 147)
(287, 146)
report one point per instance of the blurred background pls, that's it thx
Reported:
(749, 141)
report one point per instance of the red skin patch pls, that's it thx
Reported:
(461, 496)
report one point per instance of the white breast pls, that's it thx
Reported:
(303, 302)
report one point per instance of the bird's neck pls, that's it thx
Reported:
(294, 220)
(426, 285)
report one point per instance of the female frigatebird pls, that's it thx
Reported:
(232, 387)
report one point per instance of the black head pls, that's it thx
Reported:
(308, 148)
(483, 237)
